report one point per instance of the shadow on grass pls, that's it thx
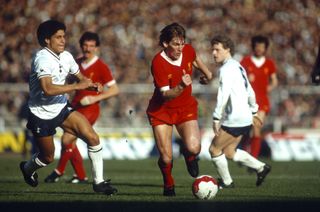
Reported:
(80, 193)
(184, 206)
(139, 185)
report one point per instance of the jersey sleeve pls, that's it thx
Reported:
(42, 67)
(160, 78)
(252, 100)
(272, 67)
(191, 51)
(106, 75)
(224, 91)
(244, 62)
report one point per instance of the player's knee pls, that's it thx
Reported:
(214, 152)
(47, 159)
(166, 159)
(194, 146)
(229, 154)
(93, 139)
(194, 149)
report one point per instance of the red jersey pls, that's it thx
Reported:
(259, 79)
(167, 74)
(99, 72)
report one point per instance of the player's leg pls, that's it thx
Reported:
(190, 134)
(77, 164)
(255, 142)
(69, 151)
(65, 155)
(248, 160)
(243, 157)
(163, 135)
(79, 126)
(41, 159)
(76, 158)
(216, 149)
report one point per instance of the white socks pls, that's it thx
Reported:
(248, 160)
(95, 155)
(32, 165)
(221, 164)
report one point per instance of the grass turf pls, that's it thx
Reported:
(290, 184)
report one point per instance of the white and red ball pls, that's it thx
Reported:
(205, 187)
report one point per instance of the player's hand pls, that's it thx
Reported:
(88, 100)
(85, 83)
(186, 79)
(99, 87)
(95, 87)
(257, 121)
(205, 79)
(216, 127)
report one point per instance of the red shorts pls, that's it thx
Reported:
(264, 104)
(174, 116)
(91, 113)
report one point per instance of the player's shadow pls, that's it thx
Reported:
(141, 185)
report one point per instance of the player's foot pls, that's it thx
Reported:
(193, 167)
(76, 180)
(169, 192)
(222, 185)
(262, 175)
(53, 177)
(105, 187)
(32, 180)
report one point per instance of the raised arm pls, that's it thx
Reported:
(207, 75)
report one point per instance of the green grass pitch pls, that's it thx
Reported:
(290, 184)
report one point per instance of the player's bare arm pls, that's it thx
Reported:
(176, 91)
(273, 82)
(257, 121)
(207, 75)
(51, 89)
(111, 91)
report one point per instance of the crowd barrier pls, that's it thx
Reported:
(138, 143)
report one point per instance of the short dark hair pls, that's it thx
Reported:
(47, 29)
(226, 42)
(259, 39)
(171, 31)
(89, 36)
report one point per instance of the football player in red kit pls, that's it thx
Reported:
(87, 103)
(172, 102)
(261, 72)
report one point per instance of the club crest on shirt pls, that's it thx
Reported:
(169, 76)
(189, 66)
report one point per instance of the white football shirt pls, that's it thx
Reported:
(48, 64)
(236, 101)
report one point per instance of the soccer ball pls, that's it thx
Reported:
(205, 187)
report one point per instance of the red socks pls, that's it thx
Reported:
(66, 154)
(255, 146)
(166, 174)
(77, 163)
(73, 154)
